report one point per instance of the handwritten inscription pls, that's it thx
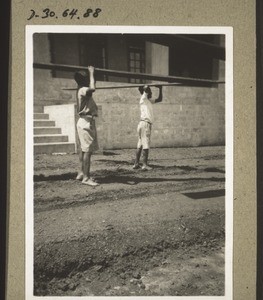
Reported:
(69, 13)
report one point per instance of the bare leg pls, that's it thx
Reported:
(86, 170)
(81, 171)
(86, 165)
(137, 158)
(145, 154)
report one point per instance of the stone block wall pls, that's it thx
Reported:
(188, 116)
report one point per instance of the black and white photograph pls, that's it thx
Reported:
(129, 181)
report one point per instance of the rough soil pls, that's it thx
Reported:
(159, 232)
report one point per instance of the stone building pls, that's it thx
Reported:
(188, 116)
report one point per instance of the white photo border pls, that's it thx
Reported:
(29, 153)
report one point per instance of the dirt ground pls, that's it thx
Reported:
(139, 233)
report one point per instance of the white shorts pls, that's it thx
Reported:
(144, 131)
(87, 135)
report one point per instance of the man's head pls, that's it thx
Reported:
(147, 90)
(82, 78)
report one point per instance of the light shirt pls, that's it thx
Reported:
(86, 104)
(146, 106)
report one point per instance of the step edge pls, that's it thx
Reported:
(52, 135)
(58, 143)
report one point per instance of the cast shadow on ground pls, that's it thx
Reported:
(132, 180)
(159, 167)
(114, 162)
(55, 177)
(188, 168)
(109, 153)
(121, 178)
(205, 194)
(214, 170)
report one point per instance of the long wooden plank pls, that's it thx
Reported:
(128, 86)
(177, 79)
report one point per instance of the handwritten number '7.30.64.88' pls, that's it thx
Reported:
(67, 13)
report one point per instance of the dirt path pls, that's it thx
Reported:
(139, 233)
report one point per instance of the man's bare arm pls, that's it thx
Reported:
(160, 97)
(92, 87)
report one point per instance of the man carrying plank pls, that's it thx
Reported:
(145, 125)
(87, 111)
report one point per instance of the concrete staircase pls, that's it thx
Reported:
(48, 138)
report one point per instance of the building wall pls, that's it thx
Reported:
(117, 56)
(160, 59)
(61, 42)
(47, 88)
(188, 116)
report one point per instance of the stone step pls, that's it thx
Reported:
(38, 109)
(49, 148)
(41, 116)
(47, 130)
(53, 138)
(44, 123)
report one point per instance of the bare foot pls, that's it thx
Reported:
(89, 181)
(136, 166)
(79, 176)
(146, 168)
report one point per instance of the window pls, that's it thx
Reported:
(93, 52)
(78, 49)
(64, 51)
(191, 58)
(136, 61)
(190, 63)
